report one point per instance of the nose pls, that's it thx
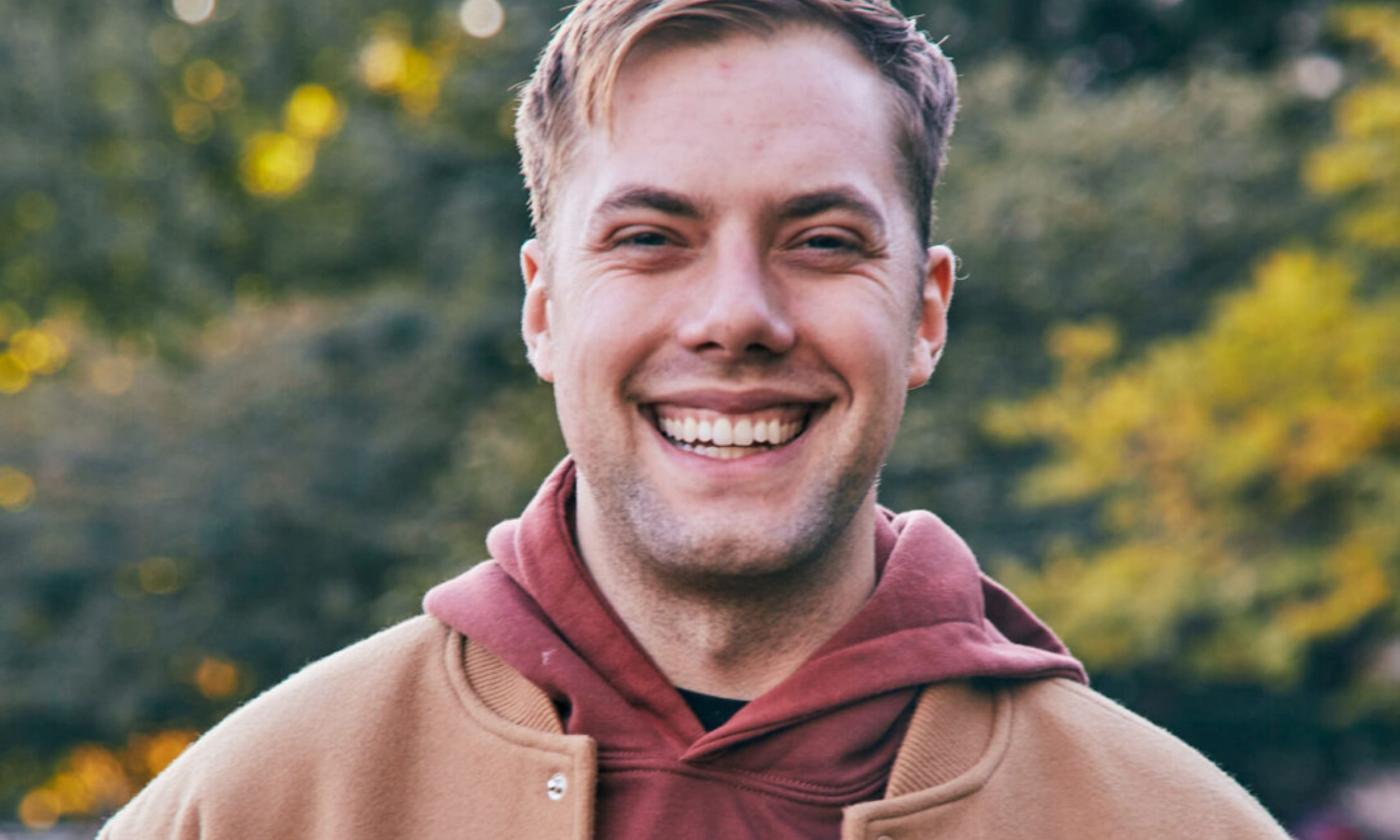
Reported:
(739, 310)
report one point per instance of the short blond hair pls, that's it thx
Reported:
(572, 85)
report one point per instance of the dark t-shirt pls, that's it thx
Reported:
(713, 712)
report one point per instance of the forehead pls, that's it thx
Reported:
(743, 121)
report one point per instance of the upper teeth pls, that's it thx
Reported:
(730, 430)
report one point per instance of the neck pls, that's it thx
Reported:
(733, 635)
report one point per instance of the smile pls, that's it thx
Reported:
(721, 436)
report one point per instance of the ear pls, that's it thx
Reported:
(932, 331)
(536, 315)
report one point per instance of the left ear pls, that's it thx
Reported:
(932, 331)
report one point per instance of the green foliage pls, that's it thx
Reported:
(1243, 475)
(149, 169)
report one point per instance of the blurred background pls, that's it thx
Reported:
(261, 382)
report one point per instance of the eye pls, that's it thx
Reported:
(829, 242)
(831, 247)
(645, 248)
(641, 238)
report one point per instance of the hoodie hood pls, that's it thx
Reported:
(822, 738)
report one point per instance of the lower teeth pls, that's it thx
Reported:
(724, 453)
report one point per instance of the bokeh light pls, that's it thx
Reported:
(160, 575)
(13, 375)
(382, 62)
(16, 489)
(111, 375)
(193, 11)
(38, 351)
(390, 64)
(40, 809)
(1318, 76)
(25, 351)
(481, 18)
(216, 678)
(313, 112)
(193, 121)
(169, 42)
(276, 164)
(93, 780)
(158, 751)
(204, 80)
(101, 774)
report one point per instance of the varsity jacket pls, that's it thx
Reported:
(418, 733)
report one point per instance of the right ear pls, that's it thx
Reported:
(536, 316)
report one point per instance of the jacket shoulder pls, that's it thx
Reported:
(391, 737)
(1094, 727)
(1091, 749)
(342, 699)
(279, 747)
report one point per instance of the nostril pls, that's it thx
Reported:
(745, 324)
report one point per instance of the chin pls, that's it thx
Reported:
(732, 554)
(742, 545)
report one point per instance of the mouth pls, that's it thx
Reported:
(731, 436)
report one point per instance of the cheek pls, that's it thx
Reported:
(864, 334)
(603, 339)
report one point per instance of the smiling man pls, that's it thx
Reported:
(704, 625)
(732, 298)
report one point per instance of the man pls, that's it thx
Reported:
(704, 625)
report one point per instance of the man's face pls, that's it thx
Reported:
(729, 303)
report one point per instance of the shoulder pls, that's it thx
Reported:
(395, 736)
(314, 726)
(1089, 747)
(1077, 720)
(344, 693)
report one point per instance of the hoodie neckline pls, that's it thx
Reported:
(932, 616)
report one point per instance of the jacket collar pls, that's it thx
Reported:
(959, 732)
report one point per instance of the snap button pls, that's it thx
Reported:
(556, 786)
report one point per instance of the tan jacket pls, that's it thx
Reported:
(416, 733)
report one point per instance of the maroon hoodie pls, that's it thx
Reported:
(792, 758)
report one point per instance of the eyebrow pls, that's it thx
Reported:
(836, 198)
(798, 207)
(650, 198)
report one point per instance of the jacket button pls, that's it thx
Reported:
(556, 786)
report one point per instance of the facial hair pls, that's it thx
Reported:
(704, 553)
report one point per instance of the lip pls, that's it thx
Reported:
(759, 464)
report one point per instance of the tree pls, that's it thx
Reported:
(154, 167)
(1244, 476)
